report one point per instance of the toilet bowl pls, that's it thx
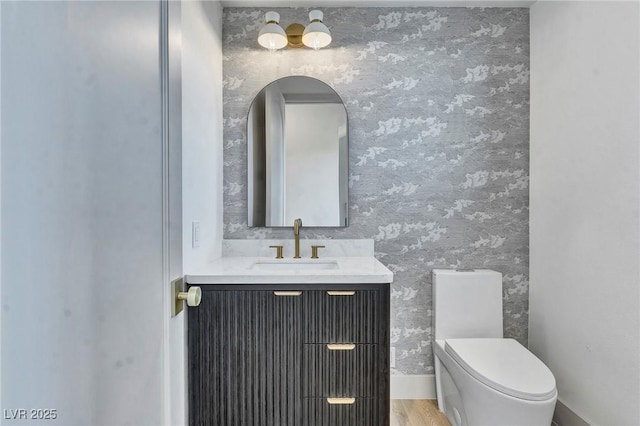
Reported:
(483, 379)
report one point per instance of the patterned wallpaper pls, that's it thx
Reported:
(438, 103)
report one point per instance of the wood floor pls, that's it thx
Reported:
(416, 412)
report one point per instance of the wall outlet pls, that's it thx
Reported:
(392, 357)
(195, 234)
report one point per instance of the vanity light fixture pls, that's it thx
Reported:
(316, 35)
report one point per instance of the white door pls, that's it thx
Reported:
(90, 213)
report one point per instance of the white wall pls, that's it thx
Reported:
(202, 129)
(201, 162)
(274, 117)
(312, 177)
(585, 269)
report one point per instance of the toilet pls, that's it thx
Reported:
(483, 379)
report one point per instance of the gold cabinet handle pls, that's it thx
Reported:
(278, 251)
(334, 401)
(314, 251)
(341, 346)
(341, 292)
(287, 293)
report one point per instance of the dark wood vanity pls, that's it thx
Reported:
(289, 354)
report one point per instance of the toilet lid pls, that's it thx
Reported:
(504, 365)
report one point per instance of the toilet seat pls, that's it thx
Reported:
(504, 365)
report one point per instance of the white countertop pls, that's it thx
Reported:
(242, 270)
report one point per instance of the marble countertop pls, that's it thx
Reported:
(243, 270)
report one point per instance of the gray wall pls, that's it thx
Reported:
(438, 103)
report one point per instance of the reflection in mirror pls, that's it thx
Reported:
(297, 155)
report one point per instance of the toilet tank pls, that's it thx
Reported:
(467, 303)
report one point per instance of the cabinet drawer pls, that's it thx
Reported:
(340, 372)
(362, 412)
(342, 317)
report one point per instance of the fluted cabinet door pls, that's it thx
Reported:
(245, 354)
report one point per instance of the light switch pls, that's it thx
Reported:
(392, 357)
(195, 234)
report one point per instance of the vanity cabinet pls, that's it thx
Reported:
(303, 355)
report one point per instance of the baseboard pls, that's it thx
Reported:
(564, 416)
(413, 386)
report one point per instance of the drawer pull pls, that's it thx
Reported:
(341, 346)
(341, 292)
(287, 293)
(341, 401)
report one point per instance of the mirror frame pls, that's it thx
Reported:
(251, 223)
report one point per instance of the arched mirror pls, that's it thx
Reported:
(297, 155)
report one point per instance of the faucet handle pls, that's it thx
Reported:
(314, 251)
(278, 251)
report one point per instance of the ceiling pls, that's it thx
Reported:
(377, 3)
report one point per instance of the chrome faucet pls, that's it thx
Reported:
(297, 224)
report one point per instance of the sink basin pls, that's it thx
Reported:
(294, 265)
